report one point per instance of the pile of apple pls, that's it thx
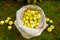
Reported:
(49, 29)
(31, 18)
(7, 21)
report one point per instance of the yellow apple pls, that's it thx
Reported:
(51, 21)
(49, 29)
(10, 22)
(8, 18)
(1, 22)
(52, 26)
(6, 21)
(47, 19)
(9, 27)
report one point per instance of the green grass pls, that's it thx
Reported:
(51, 9)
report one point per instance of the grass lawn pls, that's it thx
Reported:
(51, 9)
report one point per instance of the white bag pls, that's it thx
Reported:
(30, 32)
